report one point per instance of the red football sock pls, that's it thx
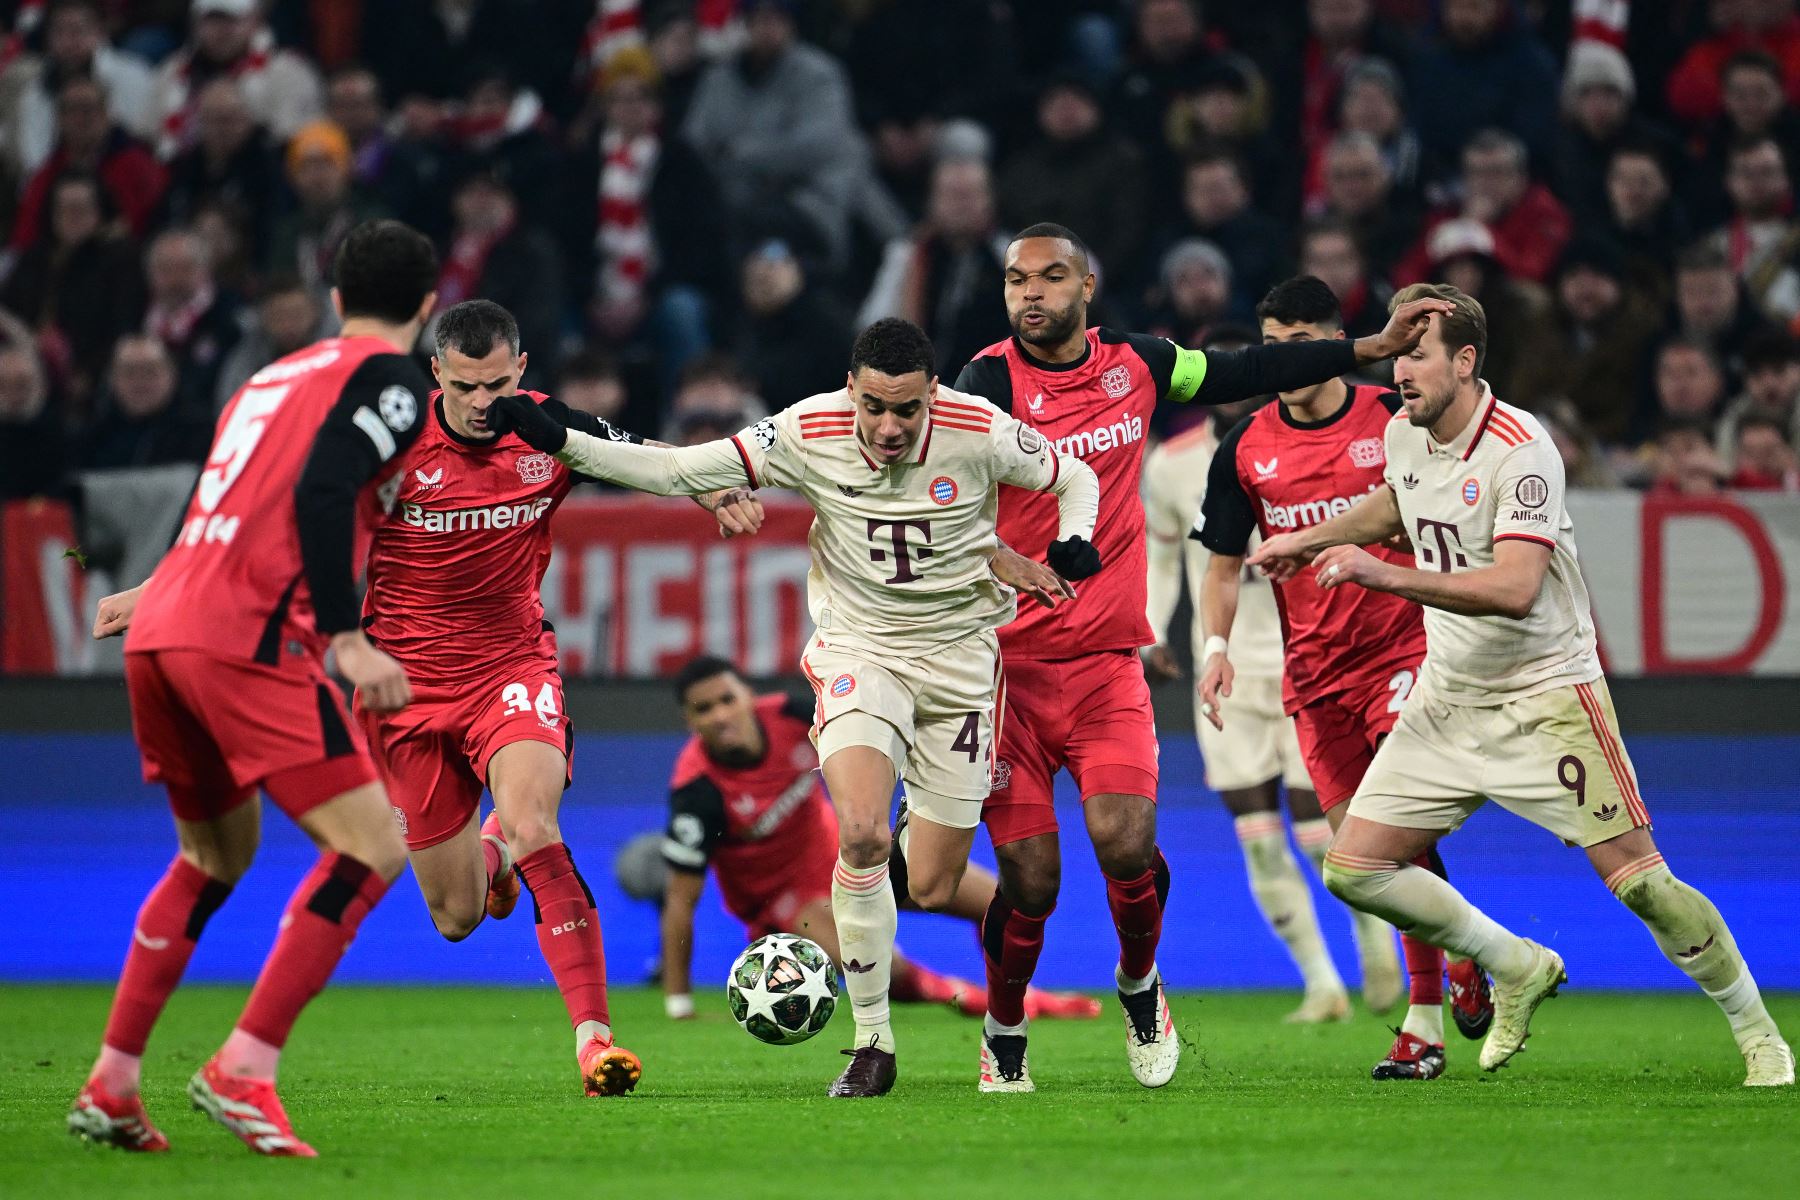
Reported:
(321, 919)
(568, 931)
(490, 856)
(168, 926)
(1011, 943)
(1137, 912)
(1424, 962)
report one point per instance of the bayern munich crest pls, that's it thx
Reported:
(1117, 382)
(1471, 490)
(842, 686)
(943, 490)
(536, 468)
(1367, 452)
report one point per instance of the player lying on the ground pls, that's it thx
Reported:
(1078, 700)
(455, 569)
(1352, 657)
(224, 664)
(1511, 703)
(1249, 765)
(902, 476)
(745, 798)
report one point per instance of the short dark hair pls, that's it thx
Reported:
(1302, 300)
(1770, 347)
(473, 327)
(1050, 229)
(893, 346)
(697, 669)
(384, 270)
(1754, 59)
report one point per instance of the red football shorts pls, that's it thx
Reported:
(434, 753)
(1091, 715)
(212, 730)
(1339, 735)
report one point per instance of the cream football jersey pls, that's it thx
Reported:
(1500, 478)
(899, 552)
(1174, 485)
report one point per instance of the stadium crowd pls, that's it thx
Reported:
(692, 205)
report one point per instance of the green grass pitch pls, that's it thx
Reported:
(462, 1092)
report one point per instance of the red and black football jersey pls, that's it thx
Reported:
(761, 825)
(1276, 474)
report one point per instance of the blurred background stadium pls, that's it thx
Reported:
(692, 206)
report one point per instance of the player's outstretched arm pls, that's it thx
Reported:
(1507, 589)
(113, 616)
(1218, 612)
(659, 470)
(680, 900)
(1375, 518)
(1227, 376)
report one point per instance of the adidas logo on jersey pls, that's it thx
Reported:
(1410, 480)
(1126, 430)
(461, 520)
(1307, 512)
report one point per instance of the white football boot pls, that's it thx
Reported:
(1151, 1046)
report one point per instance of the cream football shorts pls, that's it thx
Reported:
(1258, 742)
(1554, 758)
(931, 714)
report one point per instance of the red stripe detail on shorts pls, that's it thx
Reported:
(1596, 712)
(818, 687)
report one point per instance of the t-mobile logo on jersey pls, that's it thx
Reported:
(460, 520)
(1443, 533)
(1122, 432)
(1307, 512)
(904, 554)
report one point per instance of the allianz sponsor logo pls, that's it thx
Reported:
(1126, 430)
(790, 799)
(462, 520)
(1308, 512)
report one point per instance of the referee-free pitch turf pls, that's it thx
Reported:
(448, 1092)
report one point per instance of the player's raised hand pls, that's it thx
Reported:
(1406, 325)
(1033, 579)
(380, 682)
(1348, 564)
(114, 613)
(1074, 558)
(1215, 685)
(522, 415)
(738, 511)
(1159, 663)
(1281, 556)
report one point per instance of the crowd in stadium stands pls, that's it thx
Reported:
(692, 205)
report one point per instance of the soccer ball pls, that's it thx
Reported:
(782, 989)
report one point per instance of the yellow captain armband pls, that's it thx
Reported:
(1188, 375)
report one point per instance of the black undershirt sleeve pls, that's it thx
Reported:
(988, 378)
(696, 825)
(1226, 517)
(1159, 356)
(1233, 375)
(380, 413)
(574, 418)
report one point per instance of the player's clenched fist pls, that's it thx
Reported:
(521, 414)
(1074, 558)
(114, 613)
(380, 682)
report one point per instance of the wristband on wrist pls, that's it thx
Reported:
(1214, 645)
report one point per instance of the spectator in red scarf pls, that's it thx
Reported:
(88, 142)
(75, 46)
(495, 255)
(191, 316)
(231, 165)
(229, 41)
(1761, 238)
(1328, 251)
(1530, 226)
(1762, 458)
(1768, 25)
(1340, 35)
(1756, 107)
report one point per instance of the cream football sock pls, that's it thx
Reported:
(862, 904)
(1285, 900)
